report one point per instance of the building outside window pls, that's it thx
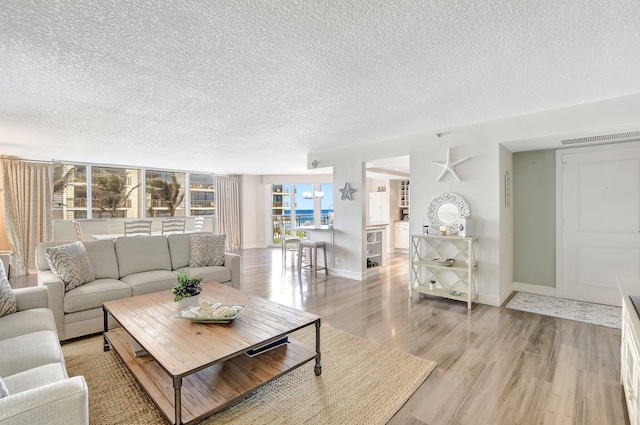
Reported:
(165, 193)
(201, 194)
(115, 192)
(69, 192)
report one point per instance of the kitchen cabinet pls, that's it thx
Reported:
(401, 235)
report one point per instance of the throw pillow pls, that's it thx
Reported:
(70, 263)
(207, 250)
(4, 392)
(8, 303)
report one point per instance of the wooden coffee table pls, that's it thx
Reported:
(193, 369)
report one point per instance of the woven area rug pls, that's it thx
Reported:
(361, 383)
(597, 314)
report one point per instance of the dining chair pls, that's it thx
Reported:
(76, 225)
(198, 224)
(173, 225)
(289, 244)
(137, 227)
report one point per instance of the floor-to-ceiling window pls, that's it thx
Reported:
(299, 204)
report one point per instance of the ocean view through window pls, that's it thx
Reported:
(302, 204)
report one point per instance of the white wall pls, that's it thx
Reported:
(482, 179)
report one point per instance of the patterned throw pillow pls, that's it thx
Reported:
(8, 303)
(207, 250)
(70, 263)
(4, 392)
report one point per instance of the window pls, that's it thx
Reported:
(115, 193)
(165, 193)
(326, 203)
(202, 194)
(69, 192)
(294, 205)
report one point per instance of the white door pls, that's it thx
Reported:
(599, 224)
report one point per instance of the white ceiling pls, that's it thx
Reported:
(249, 86)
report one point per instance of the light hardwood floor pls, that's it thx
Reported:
(495, 365)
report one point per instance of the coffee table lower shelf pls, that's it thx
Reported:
(214, 388)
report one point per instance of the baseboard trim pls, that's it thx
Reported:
(347, 274)
(494, 301)
(534, 289)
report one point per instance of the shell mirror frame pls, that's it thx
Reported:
(446, 210)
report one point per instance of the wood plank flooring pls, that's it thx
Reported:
(495, 365)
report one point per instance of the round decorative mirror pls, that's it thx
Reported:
(446, 210)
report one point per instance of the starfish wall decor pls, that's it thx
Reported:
(346, 192)
(449, 166)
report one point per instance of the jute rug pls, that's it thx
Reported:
(580, 311)
(361, 383)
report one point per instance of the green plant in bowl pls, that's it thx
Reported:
(186, 286)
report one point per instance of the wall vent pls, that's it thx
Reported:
(604, 138)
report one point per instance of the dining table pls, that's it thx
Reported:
(114, 236)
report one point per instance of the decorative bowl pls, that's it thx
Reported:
(446, 262)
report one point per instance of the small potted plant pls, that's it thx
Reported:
(187, 289)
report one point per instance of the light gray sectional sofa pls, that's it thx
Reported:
(123, 268)
(32, 367)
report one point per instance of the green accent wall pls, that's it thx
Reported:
(534, 217)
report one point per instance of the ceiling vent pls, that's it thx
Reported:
(604, 138)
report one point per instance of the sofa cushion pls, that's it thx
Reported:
(36, 377)
(26, 321)
(102, 255)
(70, 263)
(219, 274)
(27, 351)
(152, 281)
(93, 294)
(8, 303)
(207, 250)
(142, 253)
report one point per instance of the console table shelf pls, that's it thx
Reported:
(458, 281)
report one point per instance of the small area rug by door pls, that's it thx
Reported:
(581, 311)
(361, 383)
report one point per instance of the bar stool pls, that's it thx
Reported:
(313, 259)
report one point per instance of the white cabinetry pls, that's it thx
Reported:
(629, 349)
(401, 235)
(374, 248)
(456, 279)
(378, 208)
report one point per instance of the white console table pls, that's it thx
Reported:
(456, 281)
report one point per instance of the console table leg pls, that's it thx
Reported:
(105, 343)
(177, 385)
(318, 367)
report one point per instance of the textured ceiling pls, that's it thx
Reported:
(249, 86)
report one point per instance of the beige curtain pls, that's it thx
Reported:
(228, 209)
(28, 204)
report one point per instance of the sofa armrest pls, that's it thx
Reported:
(232, 261)
(33, 297)
(60, 403)
(55, 296)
